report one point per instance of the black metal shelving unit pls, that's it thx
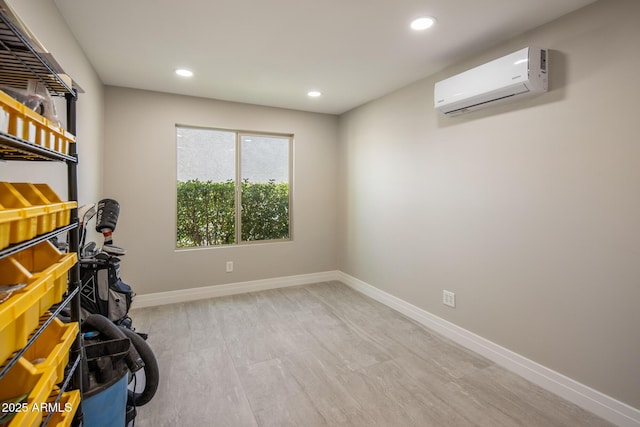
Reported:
(21, 60)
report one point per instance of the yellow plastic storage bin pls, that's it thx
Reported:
(44, 260)
(63, 413)
(46, 221)
(51, 348)
(4, 119)
(26, 124)
(7, 217)
(26, 226)
(64, 215)
(24, 378)
(64, 141)
(20, 314)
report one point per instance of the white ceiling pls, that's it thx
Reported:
(271, 52)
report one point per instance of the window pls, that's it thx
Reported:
(233, 187)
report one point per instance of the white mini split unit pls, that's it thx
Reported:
(520, 74)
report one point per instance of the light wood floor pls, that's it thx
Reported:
(325, 355)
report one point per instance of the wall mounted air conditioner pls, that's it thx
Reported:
(522, 73)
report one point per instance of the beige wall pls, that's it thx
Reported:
(140, 172)
(44, 20)
(529, 212)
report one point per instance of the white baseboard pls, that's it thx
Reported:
(592, 400)
(193, 294)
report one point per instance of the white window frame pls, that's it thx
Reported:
(239, 134)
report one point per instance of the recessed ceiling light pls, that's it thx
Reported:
(422, 23)
(184, 72)
(314, 93)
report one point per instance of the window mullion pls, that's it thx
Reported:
(238, 219)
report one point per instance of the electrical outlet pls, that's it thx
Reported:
(229, 266)
(449, 298)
